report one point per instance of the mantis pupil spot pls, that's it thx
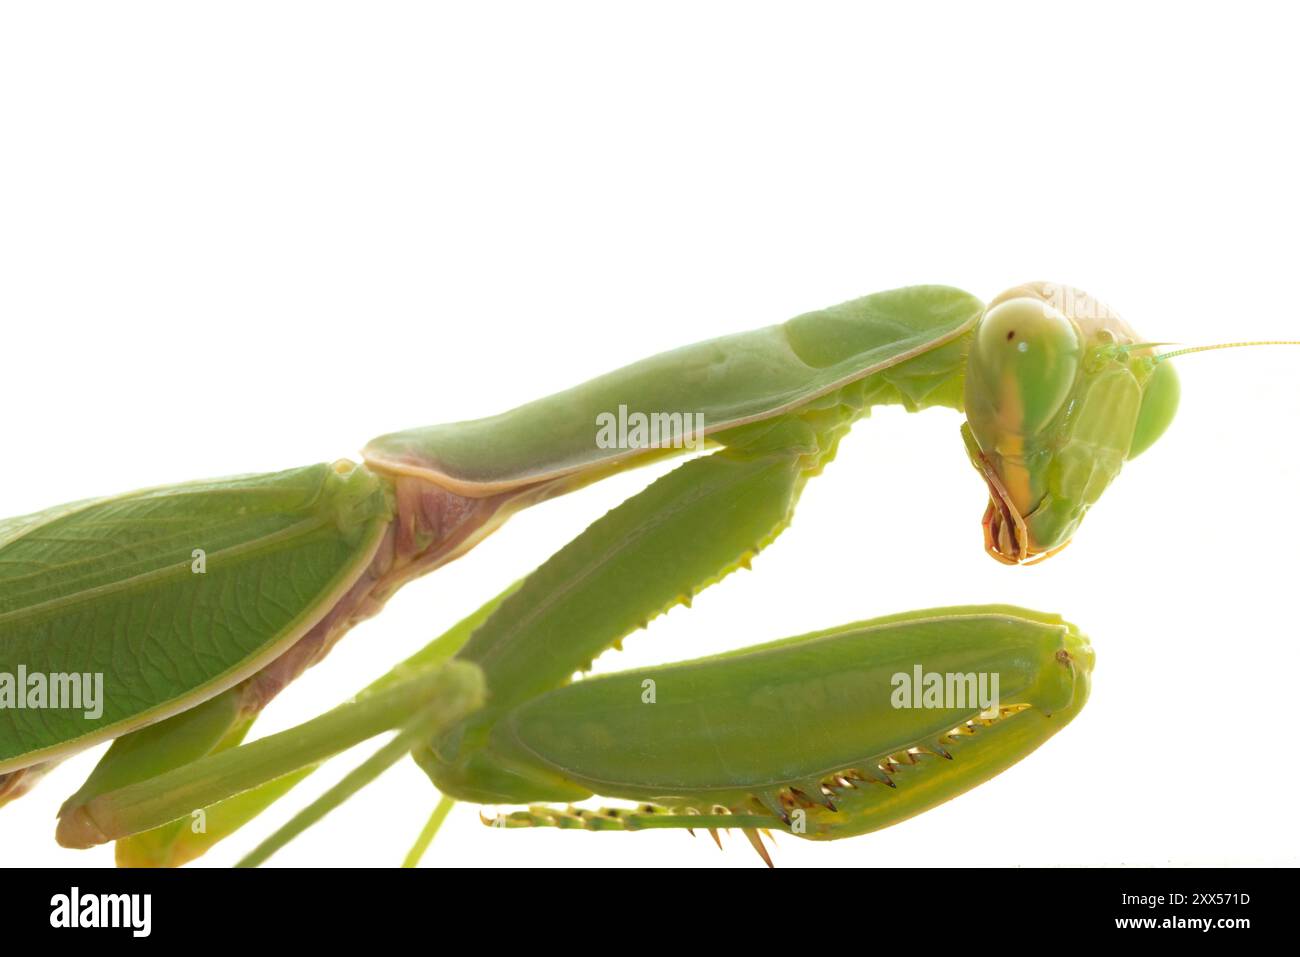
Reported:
(1011, 335)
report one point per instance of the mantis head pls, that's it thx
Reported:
(1059, 393)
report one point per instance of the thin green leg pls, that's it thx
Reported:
(440, 695)
(430, 830)
(354, 781)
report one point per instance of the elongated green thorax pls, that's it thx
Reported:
(716, 385)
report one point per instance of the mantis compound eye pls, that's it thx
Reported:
(1160, 396)
(1023, 367)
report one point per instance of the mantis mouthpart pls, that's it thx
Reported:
(197, 603)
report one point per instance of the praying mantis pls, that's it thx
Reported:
(196, 604)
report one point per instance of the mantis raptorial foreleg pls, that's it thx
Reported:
(811, 735)
(655, 550)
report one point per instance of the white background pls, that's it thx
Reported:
(247, 236)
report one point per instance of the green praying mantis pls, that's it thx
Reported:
(195, 604)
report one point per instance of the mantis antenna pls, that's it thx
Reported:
(1224, 345)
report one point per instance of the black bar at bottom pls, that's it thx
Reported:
(682, 909)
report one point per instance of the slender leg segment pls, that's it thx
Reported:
(427, 701)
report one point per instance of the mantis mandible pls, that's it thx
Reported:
(197, 603)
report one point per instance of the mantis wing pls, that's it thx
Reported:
(118, 612)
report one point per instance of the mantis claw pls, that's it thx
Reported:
(756, 842)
